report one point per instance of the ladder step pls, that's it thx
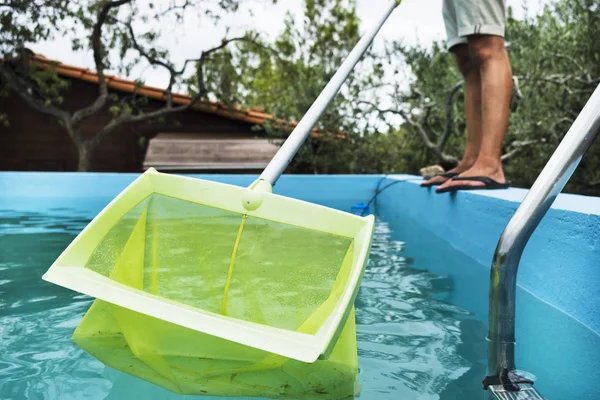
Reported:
(527, 392)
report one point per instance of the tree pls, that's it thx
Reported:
(106, 28)
(287, 81)
(557, 64)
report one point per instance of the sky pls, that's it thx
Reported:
(414, 21)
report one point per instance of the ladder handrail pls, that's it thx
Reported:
(503, 275)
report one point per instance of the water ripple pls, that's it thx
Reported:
(410, 337)
(407, 337)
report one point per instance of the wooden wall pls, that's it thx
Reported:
(35, 141)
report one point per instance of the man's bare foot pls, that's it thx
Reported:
(489, 170)
(438, 180)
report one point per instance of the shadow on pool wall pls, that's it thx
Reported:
(558, 299)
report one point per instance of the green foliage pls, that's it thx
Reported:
(23, 22)
(286, 80)
(557, 60)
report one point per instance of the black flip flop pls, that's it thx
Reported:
(445, 175)
(489, 184)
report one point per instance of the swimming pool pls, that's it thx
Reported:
(421, 310)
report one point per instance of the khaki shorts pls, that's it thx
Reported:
(473, 17)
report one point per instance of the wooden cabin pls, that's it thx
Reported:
(205, 138)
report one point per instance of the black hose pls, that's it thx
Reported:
(378, 191)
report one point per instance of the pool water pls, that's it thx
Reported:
(421, 322)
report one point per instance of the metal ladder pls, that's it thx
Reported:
(503, 382)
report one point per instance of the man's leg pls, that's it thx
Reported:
(489, 53)
(472, 103)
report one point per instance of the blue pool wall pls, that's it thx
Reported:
(560, 265)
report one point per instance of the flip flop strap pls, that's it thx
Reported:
(483, 179)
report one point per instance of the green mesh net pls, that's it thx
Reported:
(230, 264)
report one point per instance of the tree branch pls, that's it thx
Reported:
(154, 61)
(519, 145)
(420, 129)
(426, 117)
(98, 51)
(594, 183)
(570, 59)
(588, 80)
(517, 87)
(435, 148)
(200, 71)
(169, 109)
(175, 7)
(450, 114)
(560, 121)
